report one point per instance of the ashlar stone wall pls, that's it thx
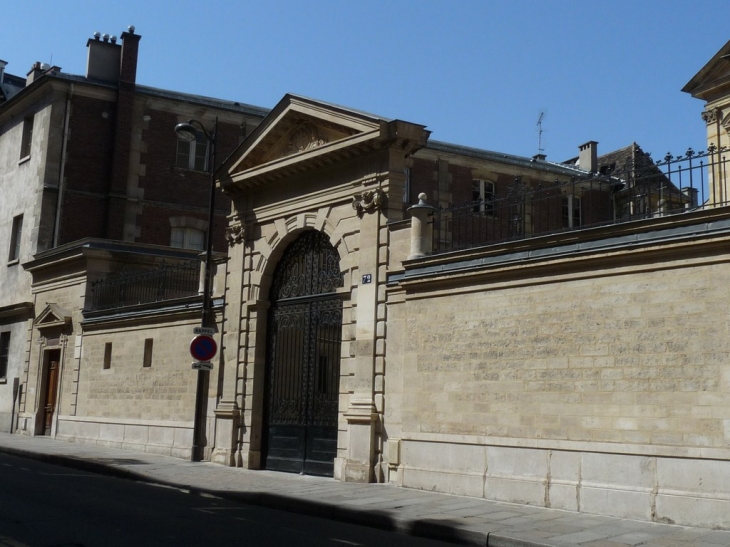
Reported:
(594, 381)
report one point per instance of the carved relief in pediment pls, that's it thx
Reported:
(304, 137)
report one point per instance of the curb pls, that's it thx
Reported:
(379, 519)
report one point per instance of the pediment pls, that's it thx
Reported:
(299, 130)
(52, 316)
(715, 74)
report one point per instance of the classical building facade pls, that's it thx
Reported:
(528, 362)
(389, 308)
(711, 85)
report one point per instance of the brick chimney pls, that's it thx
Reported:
(130, 48)
(588, 156)
(36, 71)
(117, 190)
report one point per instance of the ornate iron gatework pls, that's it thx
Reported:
(303, 358)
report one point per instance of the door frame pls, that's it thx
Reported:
(55, 346)
(268, 318)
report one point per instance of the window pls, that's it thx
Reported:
(15, 238)
(193, 154)
(27, 140)
(147, 361)
(108, 355)
(571, 212)
(187, 238)
(4, 354)
(482, 194)
(407, 185)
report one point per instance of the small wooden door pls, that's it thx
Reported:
(51, 390)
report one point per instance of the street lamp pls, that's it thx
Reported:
(187, 132)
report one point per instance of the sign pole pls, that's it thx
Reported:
(186, 131)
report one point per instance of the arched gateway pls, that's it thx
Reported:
(303, 358)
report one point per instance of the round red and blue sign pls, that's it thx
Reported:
(203, 347)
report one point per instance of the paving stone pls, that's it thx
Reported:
(454, 518)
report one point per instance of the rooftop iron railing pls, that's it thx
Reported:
(134, 287)
(639, 189)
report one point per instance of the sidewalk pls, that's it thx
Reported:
(439, 516)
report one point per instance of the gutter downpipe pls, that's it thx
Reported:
(62, 169)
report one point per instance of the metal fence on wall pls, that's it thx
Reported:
(132, 287)
(639, 189)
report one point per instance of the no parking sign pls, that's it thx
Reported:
(203, 347)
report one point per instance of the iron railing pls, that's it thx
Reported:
(133, 287)
(638, 189)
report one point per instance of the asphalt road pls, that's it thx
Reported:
(44, 505)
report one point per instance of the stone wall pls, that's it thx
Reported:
(594, 381)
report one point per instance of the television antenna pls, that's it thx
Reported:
(540, 149)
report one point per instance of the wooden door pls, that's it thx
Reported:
(51, 391)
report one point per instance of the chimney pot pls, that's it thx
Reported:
(36, 71)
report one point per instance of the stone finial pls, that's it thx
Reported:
(421, 229)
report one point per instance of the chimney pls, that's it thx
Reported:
(3, 64)
(130, 48)
(36, 71)
(539, 157)
(102, 62)
(588, 156)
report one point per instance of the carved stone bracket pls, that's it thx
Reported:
(235, 234)
(368, 202)
(710, 116)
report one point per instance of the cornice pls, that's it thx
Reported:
(537, 259)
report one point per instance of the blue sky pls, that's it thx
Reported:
(475, 72)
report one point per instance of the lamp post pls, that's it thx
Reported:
(188, 132)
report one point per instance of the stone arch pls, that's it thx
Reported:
(266, 252)
(288, 230)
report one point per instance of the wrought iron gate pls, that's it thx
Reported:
(303, 358)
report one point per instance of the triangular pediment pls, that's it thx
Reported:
(52, 316)
(301, 134)
(713, 79)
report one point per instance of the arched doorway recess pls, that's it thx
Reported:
(304, 337)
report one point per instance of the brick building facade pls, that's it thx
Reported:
(96, 156)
